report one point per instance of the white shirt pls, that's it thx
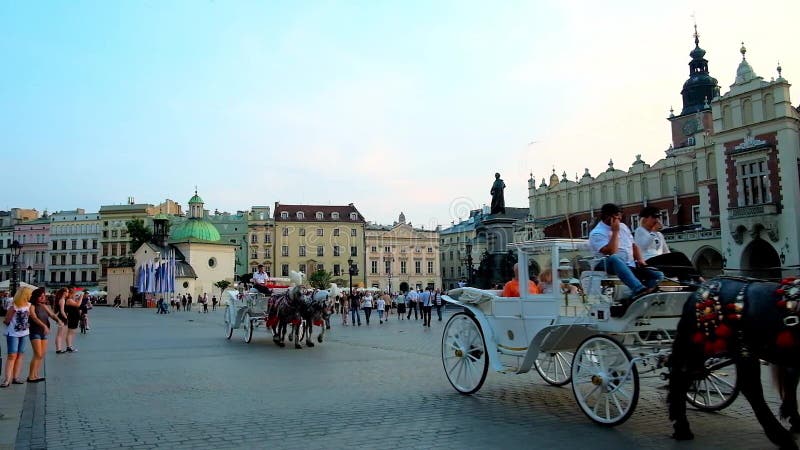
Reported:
(367, 302)
(651, 243)
(260, 277)
(601, 235)
(412, 296)
(381, 304)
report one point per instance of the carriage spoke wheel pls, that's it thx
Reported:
(605, 384)
(555, 367)
(228, 324)
(247, 326)
(716, 388)
(464, 353)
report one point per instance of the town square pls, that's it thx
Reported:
(399, 225)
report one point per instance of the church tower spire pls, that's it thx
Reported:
(701, 87)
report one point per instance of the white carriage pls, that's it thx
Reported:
(249, 310)
(590, 339)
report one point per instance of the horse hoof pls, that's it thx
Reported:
(298, 346)
(683, 435)
(309, 344)
(319, 339)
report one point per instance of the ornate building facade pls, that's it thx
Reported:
(400, 257)
(261, 230)
(727, 188)
(74, 249)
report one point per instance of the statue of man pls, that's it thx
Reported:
(498, 201)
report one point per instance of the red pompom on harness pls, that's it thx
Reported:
(715, 323)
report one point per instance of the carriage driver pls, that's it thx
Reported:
(260, 281)
(613, 240)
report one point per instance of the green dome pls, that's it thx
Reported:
(161, 216)
(195, 199)
(198, 229)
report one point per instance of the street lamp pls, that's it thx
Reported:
(352, 270)
(469, 265)
(16, 247)
(28, 274)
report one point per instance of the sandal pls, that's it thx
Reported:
(17, 381)
(4, 385)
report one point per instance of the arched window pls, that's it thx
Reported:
(747, 112)
(727, 118)
(301, 215)
(769, 107)
(319, 215)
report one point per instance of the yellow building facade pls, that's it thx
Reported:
(261, 236)
(309, 238)
(400, 257)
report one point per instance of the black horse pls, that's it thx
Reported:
(315, 311)
(746, 320)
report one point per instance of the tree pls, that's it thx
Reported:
(139, 233)
(222, 285)
(320, 279)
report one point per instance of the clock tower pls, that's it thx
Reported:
(697, 93)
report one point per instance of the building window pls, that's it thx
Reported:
(387, 266)
(664, 217)
(94, 276)
(302, 268)
(373, 267)
(335, 231)
(302, 231)
(52, 277)
(430, 249)
(353, 216)
(74, 244)
(320, 232)
(417, 267)
(53, 260)
(319, 215)
(94, 259)
(320, 250)
(84, 259)
(253, 239)
(301, 215)
(284, 270)
(430, 266)
(403, 268)
(285, 231)
(695, 213)
(63, 260)
(387, 249)
(63, 243)
(94, 244)
(83, 275)
(302, 250)
(374, 249)
(752, 183)
(284, 215)
(285, 250)
(335, 215)
(337, 270)
(267, 238)
(353, 251)
(320, 267)
(123, 249)
(254, 254)
(336, 251)
(55, 245)
(353, 232)
(268, 253)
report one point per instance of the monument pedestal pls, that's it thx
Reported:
(498, 230)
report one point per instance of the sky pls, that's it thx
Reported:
(394, 106)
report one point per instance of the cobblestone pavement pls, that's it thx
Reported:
(142, 380)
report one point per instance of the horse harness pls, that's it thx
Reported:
(716, 322)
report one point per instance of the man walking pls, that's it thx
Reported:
(437, 303)
(425, 304)
(412, 298)
(355, 304)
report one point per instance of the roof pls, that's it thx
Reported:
(310, 213)
(184, 270)
(196, 229)
(195, 199)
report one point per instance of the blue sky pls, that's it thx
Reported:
(392, 105)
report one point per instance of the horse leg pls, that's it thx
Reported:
(296, 332)
(787, 379)
(749, 378)
(684, 360)
(321, 332)
(309, 329)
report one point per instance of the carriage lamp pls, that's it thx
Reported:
(783, 257)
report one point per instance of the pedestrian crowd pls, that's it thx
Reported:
(184, 303)
(401, 304)
(27, 317)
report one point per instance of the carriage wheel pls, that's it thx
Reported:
(247, 323)
(464, 353)
(716, 388)
(228, 324)
(605, 383)
(555, 368)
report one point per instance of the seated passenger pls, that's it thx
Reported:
(655, 251)
(511, 289)
(613, 240)
(546, 283)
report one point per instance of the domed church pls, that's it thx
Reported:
(202, 258)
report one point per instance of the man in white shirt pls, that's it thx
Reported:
(612, 239)
(412, 298)
(650, 241)
(259, 281)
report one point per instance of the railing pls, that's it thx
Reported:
(693, 235)
(753, 210)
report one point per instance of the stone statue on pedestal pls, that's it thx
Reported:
(498, 200)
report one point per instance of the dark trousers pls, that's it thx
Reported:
(367, 312)
(426, 315)
(439, 312)
(412, 306)
(262, 289)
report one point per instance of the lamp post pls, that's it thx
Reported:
(469, 264)
(28, 274)
(350, 271)
(16, 247)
